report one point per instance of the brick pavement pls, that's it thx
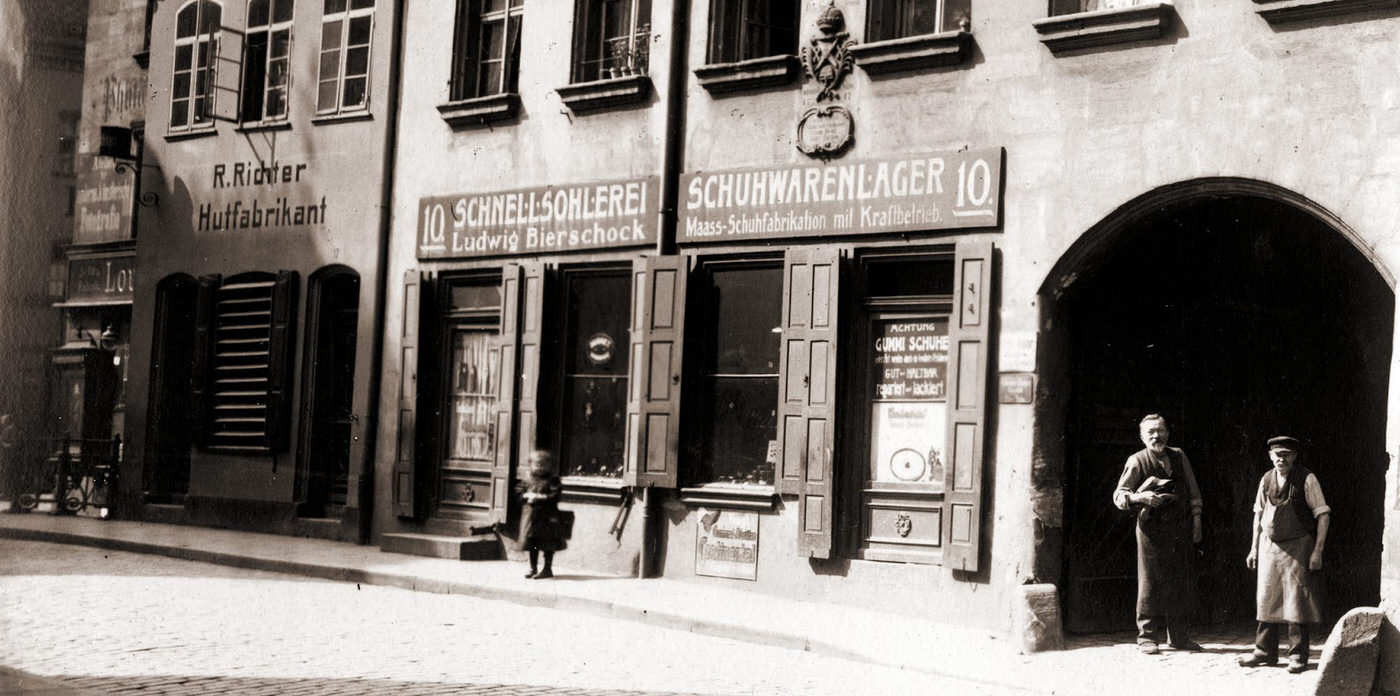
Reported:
(1093, 665)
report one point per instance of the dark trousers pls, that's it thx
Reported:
(1153, 629)
(1266, 640)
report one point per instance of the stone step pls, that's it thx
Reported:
(481, 547)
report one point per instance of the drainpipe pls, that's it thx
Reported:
(671, 166)
(370, 420)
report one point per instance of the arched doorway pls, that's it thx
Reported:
(1239, 314)
(332, 328)
(169, 429)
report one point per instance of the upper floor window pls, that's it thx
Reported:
(196, 46)
(897, 19)
(486, 48)
(747, 29)
(1061, 7)
(611, 39)
(265, 60)
(343, 78)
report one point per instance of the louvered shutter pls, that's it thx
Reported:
(206, 305)
(807, 389)
(969, 355)
(527, 398)
(654, 370)
(417, 287)
(281, 356)
(504, 354)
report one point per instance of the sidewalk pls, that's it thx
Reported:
(1093, 665)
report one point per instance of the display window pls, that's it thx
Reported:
(591, 372)
(471, 328)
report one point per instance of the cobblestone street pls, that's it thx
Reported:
(111, 622)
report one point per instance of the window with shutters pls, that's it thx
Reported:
(898, 19)
(249, 358)
(734, 407)
(342, 83)
(591, 372)
(612, 39)
(266, 57)
(749, 29)
(486, 48)
(196, 49)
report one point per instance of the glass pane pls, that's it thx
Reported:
(361, 4)
(908, 395)
(330, 65)
(257, 13)
(474, 386)
(179, 112)
(490, 6)
(276, 102)
(907, 442)
(747, 306)
(359, 31)
(354, 93)
(185, 22)
(181, 87)
(475, 297)
(277, 73)
(325, 96)
(899, 278)
(923, 18)
(597, 320)
(282, 10)
(334, 6)
(183, 55)
(956, 14)
(492, 40)
(212, 18)
(281, 43)
(330, 36)
(594, 413)
(741, 429)
(357, 61)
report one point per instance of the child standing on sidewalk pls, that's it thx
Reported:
(540, 527)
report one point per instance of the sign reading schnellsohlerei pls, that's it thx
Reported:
(915, 192)
(539, 220)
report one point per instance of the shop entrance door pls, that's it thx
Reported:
(334, 303)
(1238, 319)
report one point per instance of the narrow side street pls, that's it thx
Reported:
(104, 622)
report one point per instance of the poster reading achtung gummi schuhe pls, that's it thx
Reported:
(908, 401)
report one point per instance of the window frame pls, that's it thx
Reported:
(722, 34)
(345, 17)
(469, 64)
(270, 29)
(594, 47)
(195, 118)
(898, 15)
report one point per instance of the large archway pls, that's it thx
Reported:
(1239, 313)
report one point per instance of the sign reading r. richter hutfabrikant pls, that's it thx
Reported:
(959, 190)
(547, 219)
(259, 195)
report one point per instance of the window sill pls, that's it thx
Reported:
(480, 110)
(327, 119)
(605, 94)
(1283, 11)
(757, 73)
(1081, 30)
(740, 497)
(914, 52)
(594, 489)
(191, 134)
(264, 126)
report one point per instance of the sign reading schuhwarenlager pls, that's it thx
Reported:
(910, 193)
(539, 220)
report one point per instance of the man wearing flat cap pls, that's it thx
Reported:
(1157, 483)
(1290, 530)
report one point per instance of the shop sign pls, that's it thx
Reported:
(101, 279)
(258, 195)
(102, 204)
(959, 190)
(542, 220)
(726, 544)
(1015, 388)
(909, 406)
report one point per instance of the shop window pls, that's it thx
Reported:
(243, 360)
(612, 39)
(266, 55)
(897, 19)
(342, 83)
(734, 435)
(472, 379)
(748, 29)
(197, 35)
(486, 48)
(592, 370)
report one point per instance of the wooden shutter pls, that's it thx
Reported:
(527, 396)
(505, 353)
(280, 360)
(206, 304)
(654, 370)
(807, 391)
(417, 287)
(969, 357)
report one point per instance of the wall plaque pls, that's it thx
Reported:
(726, 544)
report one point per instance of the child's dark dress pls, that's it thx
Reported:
(539, 521)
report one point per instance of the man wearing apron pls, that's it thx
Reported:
(1158, 483)
(1290, 528)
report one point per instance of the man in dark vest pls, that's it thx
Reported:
(1290, 530)
(1158, 484)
